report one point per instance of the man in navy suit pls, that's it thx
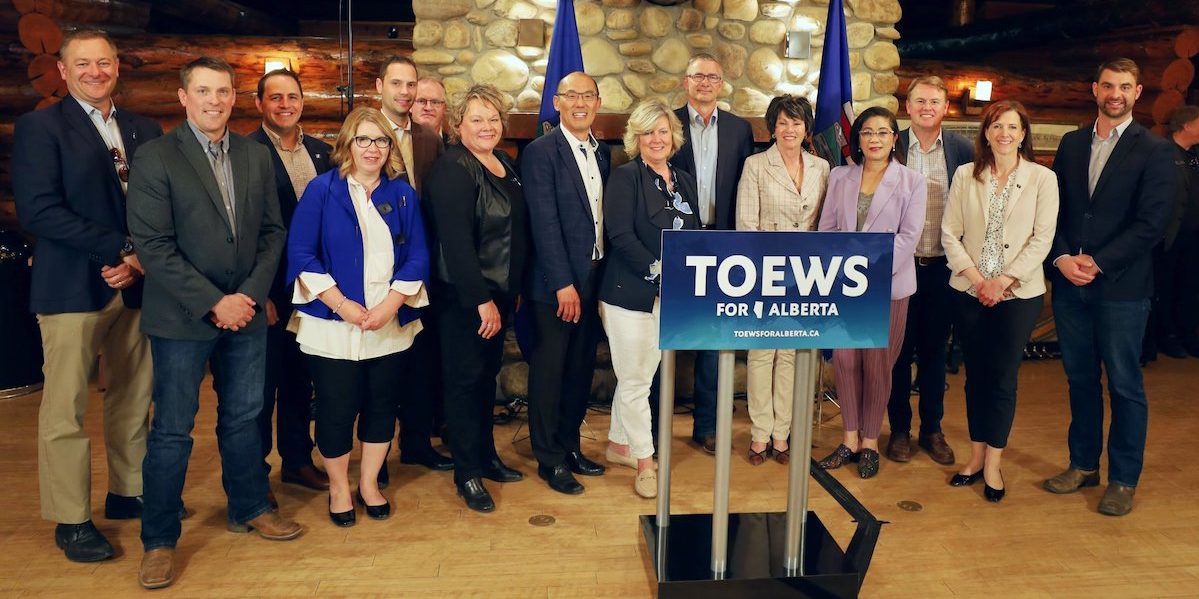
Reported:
(717, 144)
(298, 159)
(1117, 183)
(563, 174)
(70, 170)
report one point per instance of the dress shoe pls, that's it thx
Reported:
(868, 463)
(476, 496)
(899, 447)
(1072, 480)
(428, 458)
(560, 479)
(937, 448)
(121, 507)
(707, 441)
(376, 512)
(838, 458)
(82, 542)
(307, 476)
(757, 458)
(270, 498)
(344, 519)
(270, 526)
(384, 477)
(579, 464)
(158, 568)
(991, 493)
(620, 460)
(646, 483)
(501, 473)
(965, 480)
(1117, 499)
(782, 456)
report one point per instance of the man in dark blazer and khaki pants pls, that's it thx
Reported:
(69, 170)
(1117, 183)
(715, 148)
(204, 217)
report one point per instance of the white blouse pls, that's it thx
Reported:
(340, 340)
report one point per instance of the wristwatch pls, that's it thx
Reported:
(127, 249)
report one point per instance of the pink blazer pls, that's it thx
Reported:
(898, 207)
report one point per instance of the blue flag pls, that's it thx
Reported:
(834, 100)
(565, 57)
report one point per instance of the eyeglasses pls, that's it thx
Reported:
(574, 96)
(700, 78)
(880, 134)
(119, 161)
(430, 102)
(363, 141)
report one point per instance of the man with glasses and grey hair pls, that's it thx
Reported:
(430, 106)
(717, 144)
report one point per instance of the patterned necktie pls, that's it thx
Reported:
(221, 173)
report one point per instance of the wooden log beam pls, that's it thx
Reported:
(111, 15)
(228, 17)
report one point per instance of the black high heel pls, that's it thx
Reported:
(992, 494)
(376, 512)
(965, 480)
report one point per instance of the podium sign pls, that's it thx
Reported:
(726, 290)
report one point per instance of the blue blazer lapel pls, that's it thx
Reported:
(82, 123)
(566, 155)
(189, 146)
(1124, 146)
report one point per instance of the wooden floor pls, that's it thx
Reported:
(1033, 544)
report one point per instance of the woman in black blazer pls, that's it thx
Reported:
(643, 197)
(481, 222)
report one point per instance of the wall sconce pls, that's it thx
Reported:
(976, 97)
(274, 64)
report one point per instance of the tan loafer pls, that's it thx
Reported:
(158, 568)
(621, 460)
(270, 526)
(1117, 500)
(1071, 480)
(646, 484)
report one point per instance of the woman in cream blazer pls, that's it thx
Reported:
(998, 227)
(781, 189)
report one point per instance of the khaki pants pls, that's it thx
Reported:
(770, 388)
(71, 343)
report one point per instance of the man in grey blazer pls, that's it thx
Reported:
(936, 153)
(204, 217)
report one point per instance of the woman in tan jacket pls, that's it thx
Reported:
(781, 189)
(998, 227)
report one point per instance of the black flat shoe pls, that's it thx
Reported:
(868, 463)
(476, 496)
(560, 479)
(838, 458)
(428, 458)
(992, 494)
(965, 480)
(342, 519)
(579, 464)
(501, 473)
(376, 512)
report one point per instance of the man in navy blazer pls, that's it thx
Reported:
(937, 154)
(1117, 183)
(70, 168)
(715, 148)
(298, 159)
(563, 174)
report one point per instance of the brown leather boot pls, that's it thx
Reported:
(899, 447)
(270, 526)
(938, 449)
(1117, 500)
(1071, 480)
(158, 568)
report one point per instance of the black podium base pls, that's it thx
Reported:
(756, 548)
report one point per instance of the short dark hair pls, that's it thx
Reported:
(855, 132)
(206, 62)
(397, 59)
(1181, 116)
(80, 35)
(984, 157)
(1120, 65)
(279, 73)
(796, 107)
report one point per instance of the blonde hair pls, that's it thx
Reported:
(642, 120)
(343, 157)
(931, 81)
(483, 92)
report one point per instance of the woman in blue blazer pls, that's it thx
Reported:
(358, 262)
(877, 194)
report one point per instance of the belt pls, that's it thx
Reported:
(929, 260)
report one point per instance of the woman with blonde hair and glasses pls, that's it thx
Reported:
(356, 254)
(644, 197)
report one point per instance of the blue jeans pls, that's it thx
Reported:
(1094, 331)
(707, 363)
(238, 362)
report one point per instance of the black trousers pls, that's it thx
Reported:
(348, 389)
(289, 387)
(925, 341)
(1175, 312)
(415, 408)
(470, 364)
(560, 373)
(993, 341)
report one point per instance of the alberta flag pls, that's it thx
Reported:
(834, 100)
(565, 57)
